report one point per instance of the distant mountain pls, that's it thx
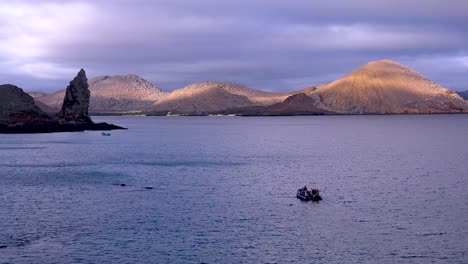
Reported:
(118, 93)
(379, 87)
(44, 107)
(207, 97)
(296, 104)
(463, 94)
(53, 101)
(37, 96)
(388, 87)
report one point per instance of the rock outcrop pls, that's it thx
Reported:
(76, 102)
(17, 107)
(19, 113)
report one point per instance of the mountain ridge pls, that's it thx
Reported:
(210, 96)
(117, 93)
(378, 87)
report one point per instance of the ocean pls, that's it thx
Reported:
(222, 190)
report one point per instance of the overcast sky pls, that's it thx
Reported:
(264, 44)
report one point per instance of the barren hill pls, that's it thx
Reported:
(206, 97)
(37, 97)
(388, 87)
(44, 107)
(118, 93)
(380, 87)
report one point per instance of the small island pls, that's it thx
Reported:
(20, 114)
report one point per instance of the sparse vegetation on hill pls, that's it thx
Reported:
(379, 87)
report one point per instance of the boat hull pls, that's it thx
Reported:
(316, 198)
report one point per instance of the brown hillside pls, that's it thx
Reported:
(215, 96)
(388, 87)
(119, 93)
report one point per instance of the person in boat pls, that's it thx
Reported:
(314, 193)
(304, 190)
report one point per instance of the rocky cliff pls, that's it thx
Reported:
(19, 113)
(17, 107)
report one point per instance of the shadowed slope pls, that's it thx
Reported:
(297, 104)
(47, 109)
(17, 107)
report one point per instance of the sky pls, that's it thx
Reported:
(272, 45)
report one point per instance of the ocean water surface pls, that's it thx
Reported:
(222, 190)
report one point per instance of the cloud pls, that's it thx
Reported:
(338, 37)
(28, 30)
(451, 70)
(463, 60)
(269, 44)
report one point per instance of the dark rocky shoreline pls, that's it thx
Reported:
(56, 127)
(19, 114)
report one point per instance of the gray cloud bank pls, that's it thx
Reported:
(265, 44)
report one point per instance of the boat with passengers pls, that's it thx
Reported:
(308, 195)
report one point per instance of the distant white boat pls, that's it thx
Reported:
(223, 115)
(171, 114)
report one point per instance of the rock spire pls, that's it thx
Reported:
(76, 101)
